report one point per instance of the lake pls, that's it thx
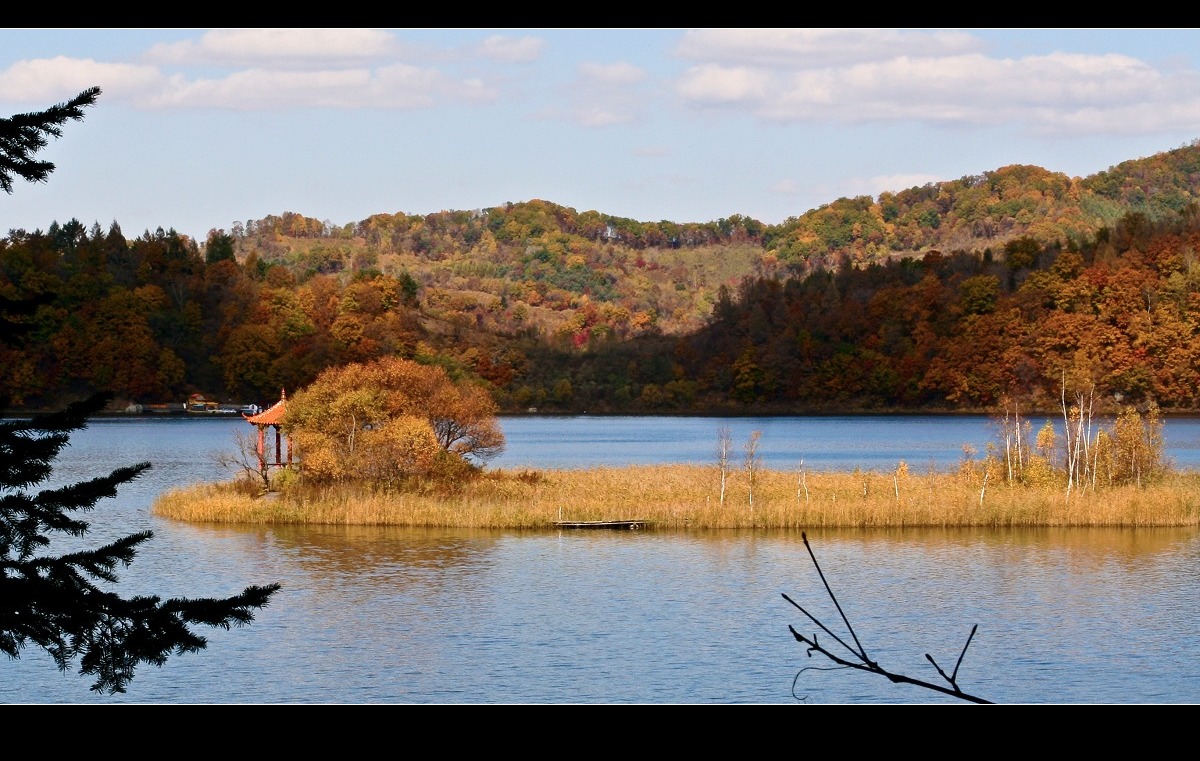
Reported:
(387, 615)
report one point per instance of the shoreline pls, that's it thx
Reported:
(688, 497)
(178, 410)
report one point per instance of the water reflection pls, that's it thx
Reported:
(395, 615)
(1094, 545)
(415, 567)
(420, 616)
(1064, 615)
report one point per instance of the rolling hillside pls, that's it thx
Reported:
(536, 265)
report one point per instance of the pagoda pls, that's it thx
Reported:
(271, 417)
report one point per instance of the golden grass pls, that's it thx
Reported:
(688, 497)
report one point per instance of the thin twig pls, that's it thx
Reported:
(967, 644)
(953, 678)
(866, 664)
(812, 618)
(861, 652)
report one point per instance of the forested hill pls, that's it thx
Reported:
(949, 296)
(666, 273)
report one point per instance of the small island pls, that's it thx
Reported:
(396, 443)
(677, 497)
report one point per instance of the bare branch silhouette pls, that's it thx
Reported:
(245, 460)
(858, 654)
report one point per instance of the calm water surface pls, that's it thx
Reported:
(385, 615)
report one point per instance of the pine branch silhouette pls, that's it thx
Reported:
(57, 603)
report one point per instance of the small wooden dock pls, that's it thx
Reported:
(633, 525)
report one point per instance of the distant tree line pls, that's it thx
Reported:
(155, 319)
(563, 310)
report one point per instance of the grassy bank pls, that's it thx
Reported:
(689, 496)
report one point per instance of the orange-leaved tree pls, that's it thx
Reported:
(389, 419)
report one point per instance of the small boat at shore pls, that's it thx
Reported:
(631, 525)
(156, 409)
(198, 404)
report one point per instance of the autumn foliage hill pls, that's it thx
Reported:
(949, 296)
(666, 274)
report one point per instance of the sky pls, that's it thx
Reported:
(197, 129)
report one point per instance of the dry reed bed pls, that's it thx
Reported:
(688, 496)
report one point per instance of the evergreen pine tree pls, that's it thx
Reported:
(23, 135)
(64, 603)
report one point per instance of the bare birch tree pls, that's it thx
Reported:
(1079, 418)
(724, 452)
(751, 463)
(802, 483)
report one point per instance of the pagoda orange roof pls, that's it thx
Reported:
(272, 415)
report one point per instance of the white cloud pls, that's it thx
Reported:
(270, 69)
(44, 81)
(399, 80)
(779, 76)
(612, 74)
(259, 89)
(288, 47)
(786, 187)
(969, 89)
(808, 48)
(713, 84)
(512, 49)
(1134, 119)
(790, 76)
(397, 86)
(598, 116)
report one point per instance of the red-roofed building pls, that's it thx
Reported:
(271, 417)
